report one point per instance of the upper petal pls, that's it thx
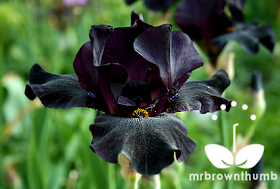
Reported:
(98, 35)
(149, 143)
(201, 95)
(85, 70)
(202, 19)
(61, 91)
(90, 55)
(173, 53)
(119, 49)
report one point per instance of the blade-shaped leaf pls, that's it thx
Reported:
(218, 154)
(251, 154)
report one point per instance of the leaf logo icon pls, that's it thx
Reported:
(250, 154)
(219, 156)
(222, 158)
(245, 158)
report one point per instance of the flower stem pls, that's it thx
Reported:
(251, 130)
(111, 176)
(149, 182)
(223, 129)
(131, 177)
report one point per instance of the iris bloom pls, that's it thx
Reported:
(137, 76)
(206, 22)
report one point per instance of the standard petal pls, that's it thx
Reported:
(135, 17)
(61, 91)
(172, 52)
(107, 79)
(85, 70)
(202, 19)
(184, 57)
(149, 143)
(98, 35)
(119, 49)
(201, 95)
(90, 55)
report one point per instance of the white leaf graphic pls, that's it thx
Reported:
(217, 154)
(251, 154)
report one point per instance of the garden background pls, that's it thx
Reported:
(49, 148)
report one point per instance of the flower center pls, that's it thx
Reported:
(140, 113)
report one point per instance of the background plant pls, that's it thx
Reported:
(44, 148)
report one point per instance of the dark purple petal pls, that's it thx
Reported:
(172, 52)
(98, 35)
(135, 17)
(61, 91)
(249, 37)
(202, 19)
(149, 143)
(119, 49)
(184, 57)
(158, 5)
(85, 70)
(112, 78)
(90, 54)
(201, 95)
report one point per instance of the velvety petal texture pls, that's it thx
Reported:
(60, 91)
(172, 52)
(149, 143)
(119, 49)
(204, 96)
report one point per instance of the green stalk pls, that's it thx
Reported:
(223, 129)
(251, 130)
(111, 176)
(225, 141)
(149, 182)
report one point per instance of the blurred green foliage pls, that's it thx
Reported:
(49, 148)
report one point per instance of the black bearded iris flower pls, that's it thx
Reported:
(137, 76)
(206, 22)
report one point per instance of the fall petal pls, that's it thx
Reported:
(149, 143)
(204, 96)
(61, 91)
